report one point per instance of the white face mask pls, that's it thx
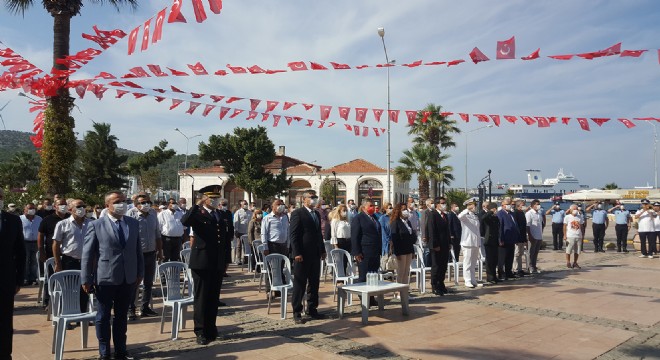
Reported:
(507, 207)
(443, 207)
(215, 204)
(324, 207)
(600, 207)
(182, 206)
(48, 207)
(313, 202)
(537, 207)
(80, 212)
(120, 209)
(145, 208)
(281, 209)
(175, 207)
(353, 207)
(389, 211)
(574, 212)
(61, 209)
(89, 215)
(343, 213)
(405, 214)
(31, 212)
(454, 209)
(622, 207)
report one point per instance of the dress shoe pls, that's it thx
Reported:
(372, 301)
(147, 312)
(297, 319)
(124, 356)
(315, 315)
(131, 315)
(222, 303)
(104, 357)
(438, 292)
(202, 340)
(471, 286)
(520, 273)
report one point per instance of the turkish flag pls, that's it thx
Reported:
(426, 116)
(175, 103)
(216, 98)
(192, 108)
(208, 109)
(264, 117)
(196, 95)
(270, 72)
(236, 113)
(20, 68)
(629, 124)
(139, 95)
(317, 66)
(561, 57)
(252, 115)
(288, 105)
(145, 35)
(394, 116)
(105, 75)
(325, 111)
(177, 72)
(360, 114)
(237, 69)
(552, 119)
(308, 106)
(139, 72)
(321, 124)
(348, 127)
(542, 121)
(343, 112)
(482, 117)
(121, 93)
(433, 63)
(455, 62)
(565, 120)
(200, 13)
(360, 67)
(132, 84)
(465, 117)
(289, 120)
(647, 119)
(377, 113)
(600, 121)
(80, 90)
(528, 120)
(271, 105)
(584, 124)
(496, 119)
(376, 131)
(256, 69)
(198, 69)
(632, 53)
(158, 30)
(356, 130)
(477, 56)
(411, 115)
(413, 64)
(589, 56)
(297, 66)
(162, 91)
(338, 66)
(215, 6)
(309, 122)
(506, 49)
(254, 103)
(220, 73)
(176, 89)
(159, 98)
(533, 56)
(223, 112)
(365, 131)
(109, 33)
(232, 99)
(8, 53)
(132, 40)
(88, 54)
(446, 113)
(612, 50)
(175, 13)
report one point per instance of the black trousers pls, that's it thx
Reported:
(306, 275)
(649, 236)
(206, 292)
(505, 260)
(557, 235)
(599, 235)
(621, 236)
(456, 246)
(69, 263)
(171, 248)
(6, 320)
(439, 260)
(492, 256)
(370, 263)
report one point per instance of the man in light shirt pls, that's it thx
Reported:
(573, 235)
(242, 218)
(31, 223)
(534, 218)
(68, 241)
(275, 233)
(646, 228)
(171, 231)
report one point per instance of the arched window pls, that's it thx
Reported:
(372, 189)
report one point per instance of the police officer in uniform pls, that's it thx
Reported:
(599, 223)
(622, 220)
(207, 260)
(557, 225)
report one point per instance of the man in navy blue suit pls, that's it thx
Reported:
(366, 242)
(112, 265)
(509, 235)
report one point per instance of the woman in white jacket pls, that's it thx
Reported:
(470, 241)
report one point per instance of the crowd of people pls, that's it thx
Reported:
(117, 247)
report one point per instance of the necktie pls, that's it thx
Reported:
(313, 213)
(122, 237)
(216, 214)
(443, 216)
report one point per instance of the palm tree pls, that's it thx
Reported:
(437, 131)
(59, 144)
(25, 167)
(611, 186)
(422, 160)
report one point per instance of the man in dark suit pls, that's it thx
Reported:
(455, 230)
(509, 235)
(366, 242)
(437, 230)
(207, 260)
(12, 266)
(111, 266)
(307, 250)
(423, 221)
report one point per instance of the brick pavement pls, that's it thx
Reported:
(608, 310)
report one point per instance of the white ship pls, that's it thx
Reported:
(546, 189)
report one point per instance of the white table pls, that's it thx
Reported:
(365, 292)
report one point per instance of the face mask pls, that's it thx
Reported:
(389, 211)
(31, 212)
(443, 207)
(61, 209)
(175, 207)
(371, 210)
(470, 207)
(182, 206)
(537, 207)
(214, 203)
(120, 209)
(556, 207)
(79, 212)
(600, 207)
(89, 214)
(353, 207)
(324, 207)
(507, 207)
(313, 202)
(48, 207)
(281, 209)
(259, 216)
(622, 207)
(405, 214)
(145, 208)
(343, 213)
(574, 212)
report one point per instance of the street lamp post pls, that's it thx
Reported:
(466, 152)
(655, 153)
(185, 164)
(381, 33)
(335, 201)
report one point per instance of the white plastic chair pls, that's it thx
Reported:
(247, 252)
(481, 263)
(48, 263)
(174, 297)
(327, 263)
(65, 302)
(342, 273)
(41, 280)
(418, 268)
(185, 256)
(262, 270)
(185, 245)
(278, 269)
(258, 258)
(454, 265)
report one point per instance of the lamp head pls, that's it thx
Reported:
(381, 31)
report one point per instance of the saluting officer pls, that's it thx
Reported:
(207, 260)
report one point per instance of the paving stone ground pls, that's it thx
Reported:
(610, 309)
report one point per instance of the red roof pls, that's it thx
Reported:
(301, 169)
(208, 170)
(357, 166)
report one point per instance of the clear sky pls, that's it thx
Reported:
(273, 33)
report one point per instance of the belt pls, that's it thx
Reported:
(149, 252)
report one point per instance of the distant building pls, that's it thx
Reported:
(356, 179)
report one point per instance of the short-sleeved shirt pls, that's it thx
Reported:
(31, 227)
(71, 236)
(573, 226)
(535, 222)
(645, 222)
(599, 216)
(47, 228)
(621, 217)
(557, 216)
